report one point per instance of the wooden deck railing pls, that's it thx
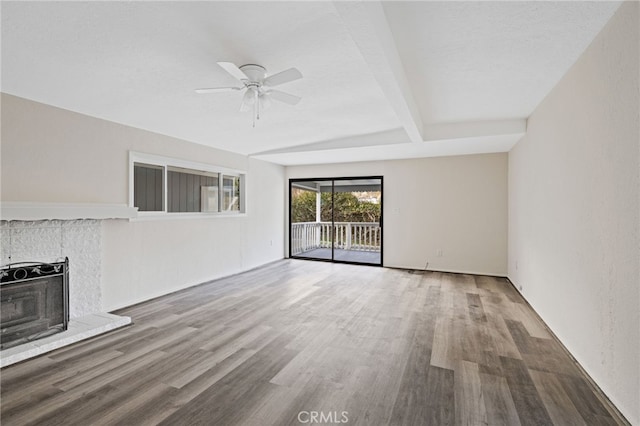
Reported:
(357, 236)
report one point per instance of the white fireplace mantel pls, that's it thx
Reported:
(13, 210)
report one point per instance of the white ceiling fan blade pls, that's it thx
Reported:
(217, 89)
(283, 77)
(232, 69)
(287, 98)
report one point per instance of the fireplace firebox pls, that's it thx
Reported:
(34, 301)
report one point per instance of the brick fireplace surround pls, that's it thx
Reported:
(49, 233)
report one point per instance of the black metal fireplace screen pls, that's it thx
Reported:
(34, 301)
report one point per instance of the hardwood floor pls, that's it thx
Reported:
(273, 345)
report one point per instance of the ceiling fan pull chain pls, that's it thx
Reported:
(257, 106)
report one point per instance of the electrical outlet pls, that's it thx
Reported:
(439, 252)
(516, 265)
(270, 242)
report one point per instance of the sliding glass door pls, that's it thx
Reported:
(310, 216)
(336, 219)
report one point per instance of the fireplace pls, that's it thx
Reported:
(34, 301)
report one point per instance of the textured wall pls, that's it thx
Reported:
(574, 231)
(52, 240)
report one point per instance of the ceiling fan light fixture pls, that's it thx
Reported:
(249, 97)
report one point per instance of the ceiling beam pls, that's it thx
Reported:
(409, 150)
(368, 26)
(389, 137)
(480, 130)
(468, 129)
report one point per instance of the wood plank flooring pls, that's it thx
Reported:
(273, 345)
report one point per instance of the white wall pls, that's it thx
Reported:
(457, 204)
(573, 211)
(54, 155)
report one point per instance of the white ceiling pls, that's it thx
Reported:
(381, 80)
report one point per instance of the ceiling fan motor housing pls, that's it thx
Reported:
(256, 73)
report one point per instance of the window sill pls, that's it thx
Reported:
(147, 216)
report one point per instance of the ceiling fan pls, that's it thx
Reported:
(258, 86)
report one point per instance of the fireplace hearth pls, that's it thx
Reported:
(34, 301)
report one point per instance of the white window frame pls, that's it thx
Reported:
(168, 163)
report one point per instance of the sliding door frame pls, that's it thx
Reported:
(292, 181)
